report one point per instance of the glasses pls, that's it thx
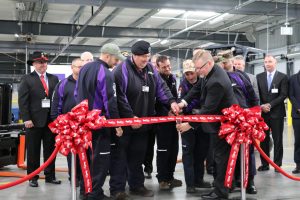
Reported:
(202, 65)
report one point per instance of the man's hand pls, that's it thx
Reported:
(119, 131)
(266, 107)
(136, 126)
(28, 124)
(298, 111)
(181, 105)
(183, 127)
(175, 108)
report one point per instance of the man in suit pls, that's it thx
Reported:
(273, 89)
(216, 94)
(294, 95)
(35, 92)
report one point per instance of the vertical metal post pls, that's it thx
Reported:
(26, 59)
(73, 176)
(243, 168)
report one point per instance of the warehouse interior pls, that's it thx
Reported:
(66, 28)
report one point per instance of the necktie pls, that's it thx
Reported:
(269, 81)
(44, 84)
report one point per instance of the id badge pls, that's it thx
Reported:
(45, 103)
(145, 88)
(274, 91)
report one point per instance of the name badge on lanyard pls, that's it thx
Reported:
(145, 88)
(45, 103)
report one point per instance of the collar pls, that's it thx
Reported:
(273, 73)
(211, 72)
(45, 74)
(102, 62)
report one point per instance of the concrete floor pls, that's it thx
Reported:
(270, 185)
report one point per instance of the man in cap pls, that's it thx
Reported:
(138, 86)
(195, 143)
(96, 83)
(34, 96)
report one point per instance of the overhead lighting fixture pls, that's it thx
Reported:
(170, 11)
(218, 19)
(17, 35)
(200, 13)
(206, 44)
(153, 43)
(164, 42)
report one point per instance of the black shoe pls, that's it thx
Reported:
(203, 184)
(175, 183)
(83, 196)
(251, 189)
(33, 183)
(190, 189)
(147, 175)
(142, 191)
(277, 171)
(53, 181)
(296, 171)
(212, 195)
(120, 196)
(263, 168)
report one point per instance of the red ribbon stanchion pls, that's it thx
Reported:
(239, 126)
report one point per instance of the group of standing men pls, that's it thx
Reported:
(136, 88)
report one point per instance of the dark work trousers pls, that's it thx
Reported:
(210, 156)
(296, 126)
(100, 161)
(34, 138)
(195, 144)
(252, 167)
(150, 151)
(221, 155)
(167, 151)
(276, 126)
(127, 158)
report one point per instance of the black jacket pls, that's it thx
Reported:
(30, 94)
(294, 94)
(215, 93)
(280, 82)
(63, 97)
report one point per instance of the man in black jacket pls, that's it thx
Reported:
(138, 86)
(216, 94)
(34, 93)
(273, 90)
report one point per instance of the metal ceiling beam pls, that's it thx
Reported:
(73, 19)
(256, 8)
(144, 18)
(53, 29)
(170, 22)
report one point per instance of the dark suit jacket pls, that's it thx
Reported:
(294, 94)
(215, 93)
(30, 94)
(280, 82)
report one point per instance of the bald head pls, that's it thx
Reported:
(86, 57)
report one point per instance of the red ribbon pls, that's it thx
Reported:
(74, 135)
(239, 126)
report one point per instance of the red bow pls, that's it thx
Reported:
(74, 135)
(239, 126)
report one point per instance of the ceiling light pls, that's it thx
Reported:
(164, 42)
(200, 13)
(206, 44)
(219, 18)
(17, 35)
(153, 43)
(171, 11)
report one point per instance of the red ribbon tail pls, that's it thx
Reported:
(85, 170)
(246, 160)
(231, 164)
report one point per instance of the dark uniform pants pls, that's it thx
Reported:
(34, 137)
(167, 150)
(296, 126)
(276, 126)
(150, 151)
(100, 161)
(195, 144)
(127, 158)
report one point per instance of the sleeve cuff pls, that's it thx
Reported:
(184, 102)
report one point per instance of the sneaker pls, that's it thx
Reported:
(142, 191)
(163, 185)
(120, 196)
(203, 184)
(175, 183)
(190, 189)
